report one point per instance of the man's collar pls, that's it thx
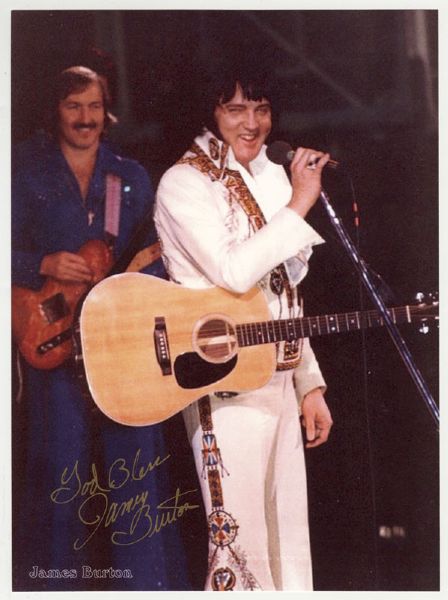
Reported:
(214, 148)
(222, 154)
(108, 161)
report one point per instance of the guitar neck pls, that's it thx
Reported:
(251, 334)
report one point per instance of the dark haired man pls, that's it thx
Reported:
(67, 473)
(227, 216)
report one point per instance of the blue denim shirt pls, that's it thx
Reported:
(49, 214)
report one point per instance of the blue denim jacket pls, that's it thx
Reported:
(49, 214)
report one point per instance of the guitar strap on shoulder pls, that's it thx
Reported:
(131, 258)
(112, 209)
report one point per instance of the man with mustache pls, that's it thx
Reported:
(59, 195)
(228, 217)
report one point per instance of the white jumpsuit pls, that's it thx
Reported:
(248, 449)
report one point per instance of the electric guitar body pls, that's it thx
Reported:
(42, 320)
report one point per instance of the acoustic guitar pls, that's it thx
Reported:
(42, 320)
(151, 347)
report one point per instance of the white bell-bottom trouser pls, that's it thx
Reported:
(263, 492)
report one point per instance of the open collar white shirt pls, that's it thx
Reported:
(206, 237)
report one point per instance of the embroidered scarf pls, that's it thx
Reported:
(238, 191)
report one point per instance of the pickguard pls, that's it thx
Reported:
(192, 371)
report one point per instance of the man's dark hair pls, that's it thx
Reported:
(220, 87)
(74, 80)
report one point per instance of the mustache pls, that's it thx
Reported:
(91, 125)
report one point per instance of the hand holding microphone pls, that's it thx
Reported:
(306, 170)
(281, 153)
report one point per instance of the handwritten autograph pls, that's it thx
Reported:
(118, 476)
(97, 511)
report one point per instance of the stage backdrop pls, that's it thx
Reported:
(363, 85)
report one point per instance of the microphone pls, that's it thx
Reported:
(281, 153)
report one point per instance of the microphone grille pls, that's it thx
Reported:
(277, 152)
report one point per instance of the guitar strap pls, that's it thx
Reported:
(129, 259)
(226, 560)
(112, 209)
(239, 192)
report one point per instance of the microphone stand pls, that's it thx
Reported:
(378, 301)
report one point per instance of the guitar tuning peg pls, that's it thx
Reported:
(420, 297)
(424, 328)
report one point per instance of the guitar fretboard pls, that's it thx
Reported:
(266, 332)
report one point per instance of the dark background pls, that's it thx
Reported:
(363, 85)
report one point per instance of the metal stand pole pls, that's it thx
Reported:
(378, 301)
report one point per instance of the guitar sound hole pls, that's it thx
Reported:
(214, 339)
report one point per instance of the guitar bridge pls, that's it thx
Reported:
(162, 346)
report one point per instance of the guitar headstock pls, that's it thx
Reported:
(426, 311)
(427, 298)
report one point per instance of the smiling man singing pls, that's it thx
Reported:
(228, 217)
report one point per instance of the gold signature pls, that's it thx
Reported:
(144, 523)
(119, 474)
(97, 511)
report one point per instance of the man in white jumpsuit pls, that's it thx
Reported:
(227, 216)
